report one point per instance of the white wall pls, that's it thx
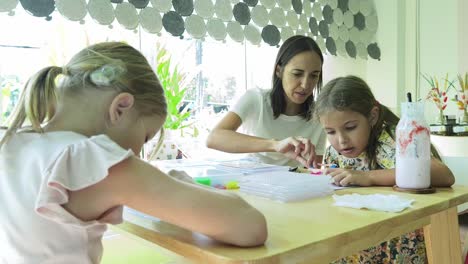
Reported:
(384, 76)
(462, 36)
(439, 47)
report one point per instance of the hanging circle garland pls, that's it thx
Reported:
(297, 6)
(251, 3)
(195, 26)
(268, 4)
(8, 5)
(340, 47)
(183, 7)
(348, 19)
(323, 29)
(224, 10)
(333, 31)
(293, 20)
(150, 20)
(354, 6)
(317, 11)
(304, 22)
(343, 5)
(354, 35)
(314, 29)
(39, 8)
(74, 10)
(359, 21)
(252, 34)
(271, 35)
(365, 6)
(351, 49)
(260, 16)
(173, 23)
(284, 4)
(101, 11)
(365, 36)
(216, 29)
(126, 15)
(235, 31)
(300, 32)
(204, 8)
(162, 5)
(361, 50)
(286, 33)
(321, 43)
(374, 51)
(241, 13)
(343, 33)
(277, 17)
(140, 4)
(327, 13)
(307, 6)
(338, 16)
(331, 46)
(346, 27)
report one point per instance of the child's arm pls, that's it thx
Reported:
(441, 176)
(224, 137)
(219, 214)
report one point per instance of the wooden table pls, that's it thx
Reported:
(315, 231)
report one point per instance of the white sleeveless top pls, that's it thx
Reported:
(36, 173)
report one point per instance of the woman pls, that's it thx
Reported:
(278, 123)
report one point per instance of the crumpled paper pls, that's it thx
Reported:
(378, 202)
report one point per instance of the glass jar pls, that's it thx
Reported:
(413, 148)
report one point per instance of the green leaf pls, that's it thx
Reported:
(173, 80)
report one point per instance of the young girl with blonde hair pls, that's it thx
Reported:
(68, 163)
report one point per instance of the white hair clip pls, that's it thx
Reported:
(107, 74)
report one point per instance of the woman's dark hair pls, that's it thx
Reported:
(290, 48)
(351, 93)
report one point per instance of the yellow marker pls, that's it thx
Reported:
(232, 185)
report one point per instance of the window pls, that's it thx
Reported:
(219, 72)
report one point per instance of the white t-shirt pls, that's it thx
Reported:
(36, 173)
(254, 109)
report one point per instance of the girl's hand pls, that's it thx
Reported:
(180, 175)
(299, 149)
(345, 177)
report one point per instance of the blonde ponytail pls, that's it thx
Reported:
(106, 66)
(37, 102)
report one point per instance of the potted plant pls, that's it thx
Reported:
(176, 85)
(461, 98)
(438, 95)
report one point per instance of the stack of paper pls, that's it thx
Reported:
(286, 186)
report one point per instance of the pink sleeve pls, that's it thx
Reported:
(78, 166)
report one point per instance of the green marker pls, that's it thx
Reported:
(203, 180)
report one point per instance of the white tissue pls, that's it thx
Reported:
(378, 202)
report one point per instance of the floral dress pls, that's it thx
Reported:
(408, 248)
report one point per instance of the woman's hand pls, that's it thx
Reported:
(345, 177)
(180, 175)
(299, 149)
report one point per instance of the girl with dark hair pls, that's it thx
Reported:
(361, 132)
(278, 122)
